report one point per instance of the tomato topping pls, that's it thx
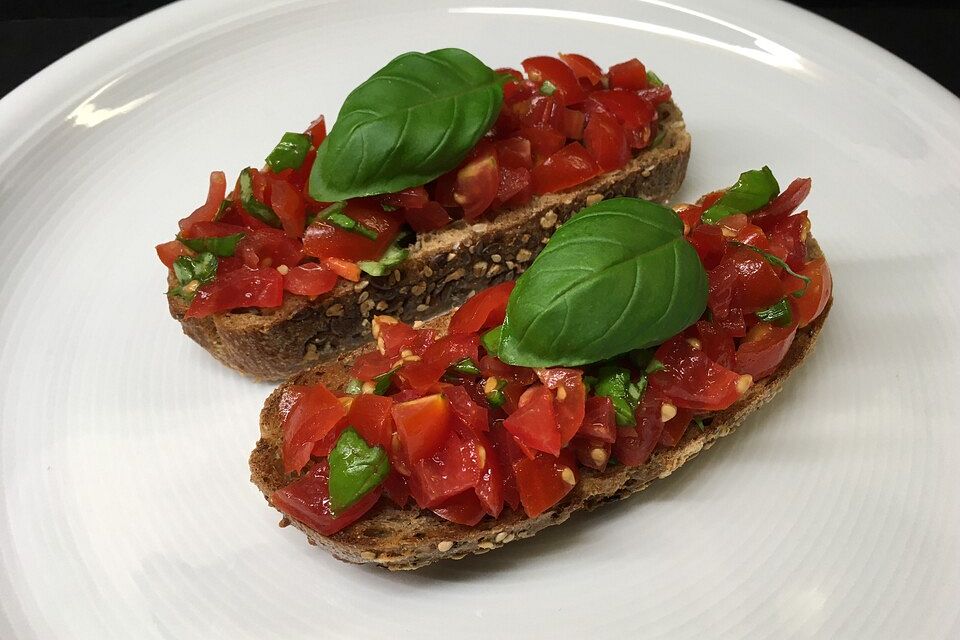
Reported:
(547, 69)
(514, 153)
(635, 444)
(630, 75)
(422, 425)
(573, 122)
(606, 141)
(534, 423)
(317, 131)
(494, 367)
(788, 239)
(692, 380)
(398, 336)
(437, 358)
(568, 401)
(710, 244)
(755, 283)
(762, 351)
(412, 198)
(208, 210)
(544, 481)
(454, 468)
(310, 279)
(583, 68)
(343, 268)
(213, 230)
(430, 217)
(308, 501)
(289, 206)
(476, 184)
(485, 310)
(464, 508)
(514, 187)
(314, 413)
(599, 422)
(543, 142)
(716, 343)
(370, 415)
(566, 168)
(630, 110)
(269, 248)
(784, 204)
(396, 489)
(325, 240)
(243, 287)
(470, 418)
(811, 304)
(674, 428)
(170, 251)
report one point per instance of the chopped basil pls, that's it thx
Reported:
(290, 152)
(356, 469)
(223, 247)
(653, 79)
(779, 314)
(344, 221)
(254, 207)
(496, 397)
(392, 257)
(548, 88)
(466, 366)
(754, 189)
(777, 262)
(353, 387)
(191, 272)
(381, 383)
(661, 134)
(699, 422)
(491, 340)
(654, 366)
(224, 205)
(615, 383)
(387, 207)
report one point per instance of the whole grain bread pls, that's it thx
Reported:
(444, 267)
(410, 538)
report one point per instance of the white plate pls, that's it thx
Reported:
(126, 511)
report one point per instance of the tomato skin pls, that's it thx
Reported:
(470, 418)
(710, 244)
(540, 481)
(317, 131)
(396, 489)
(570, 409)
(716, 343)
(756, 284)
(630, 110)
(243, 287)
(324, 240)
(569, 167)
(656, 95)
(397, 336)
(762, 351)
(676, 427)
(790, 233)
(437, 358)
(464, 508)
(514, 187)
(546, 68)
(811, 304)
(370, 415)
(343, 268)
(313, 414)
(269, 248)
(534, 423)
(310, 279)
(540, 112)
(514, 153)
(586, 448)
(543, 142)
(430, 217)
(412, 198)
(491, 366)
(308, 500)
(476, 185)
(423, 425)
(208, 210)
(630, 75)
(170, 251)
(455, 467)
(213, 230)
(583, 68)
(599, 421)
(606, 141)
(691, 379)
(289, 207)
(490, 486)
(635, 444)
(783, 205)
(573, 123)
(485, 310)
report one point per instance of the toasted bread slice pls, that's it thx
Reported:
(410, 538)
(443, 268)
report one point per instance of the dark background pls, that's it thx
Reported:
(35, 33)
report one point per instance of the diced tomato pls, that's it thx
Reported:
(455, 467)
(630, 110)
(756, 284)
(540, 112)
(370, 415)
(541, 483)
(289, 206)
(514, 186)
(543, 142)
(507, 452)
(762, 351)
(534, 423)
(399, 336)
(242, 287)
(635, 444)
(477, 182)
(784, 204)
(423, 425)
(430, 217)
(545, 68)
(606, 141)
(599, 421)
(317, 131)
(395, 487)
(568, 401)
(170, 251)
(592, 453)
(425, 373)
(490, 486)
(716, 343)
(754, 236)
(485, 310)
(690, 214)
(493, 367)
(790, 233)
(443, 189)
(371, 364)
(733, 323)
(344, 268)
(412, 198)
(630, 75)
(674, 428)
(213, 230)
(514, 153)
(656, 95)
(808, 307)
(469, 417)
(315, 412)
(514, 92)
(309, 279)
(691, 379)
(569, 167)
(573, 122)
(710, 244)
(464, 508)
(269, 248)
(323, 240)
(583, 68)
(208, 210)
(510, 72)
(308, 501)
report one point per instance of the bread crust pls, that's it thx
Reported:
(410, 538)
(443, 269)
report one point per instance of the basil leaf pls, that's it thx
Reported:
(466, 367)
(382, 382)
(491, 340)
(618, 276)
(392, 257)
(614, 383)
(413, 120)
(254, 207)
(495, 396)
(191, 272)
(224, 205)
(344, 221)
(223, 246)
(753, 190)
(777, 262)
(779, 313)
(356, 469)
(290, 152)
(653, 79)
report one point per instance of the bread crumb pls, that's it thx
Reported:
(360, 286)
(445, 546)
(422, 307)
(594, 198)
(427, 271)
(525, 238)
(487, 545)
(363, 296)
(335, 311)
(549, 219)
(418, 289)
(451, 256)
(382, 306)
(510, 538)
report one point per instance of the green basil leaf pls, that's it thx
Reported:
(392, 257)
(491, 340)
(344, 221)
(615, 383)
(496, 397)
(754, 189)
(548, 88)
(777, 262)
(191, 272)
(618, 276)
(254, 207)
(356, 469)
(224, 246)
(653, 79)
(779, 313)
(382, 382)
(353, 387)
(413, 120)
(290, 152)
(466, 367)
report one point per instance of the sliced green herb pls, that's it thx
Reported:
(392, 257)
(614, 383)
(290, 152)
(653, 79)
(653, 366)
(661, 134)
(754, 189)
(777, 262)
(382, 382)
(548, 88)
(346, 222)
(356, 469)
(224, 205)
(496, 397)
(353, 387)
(467, 367)
(222, 247)
(254, 207)
(491, 340)
(191, 273)
(779, 314)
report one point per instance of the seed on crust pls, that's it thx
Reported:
(456, 275)
(360, 286)
(363, 296)
(382, 306)
(444, 546)
(525, 238)
(494, 270)
(422, 307)
(501, 536)
(366, 307)
(487, 545)
(496, 257)
(451, 256)
(479, 268)
(419, 288)
(335, 311)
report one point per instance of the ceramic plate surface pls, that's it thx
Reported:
(126, 510)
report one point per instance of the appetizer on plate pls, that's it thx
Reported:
(440, 177)
(638, 337)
